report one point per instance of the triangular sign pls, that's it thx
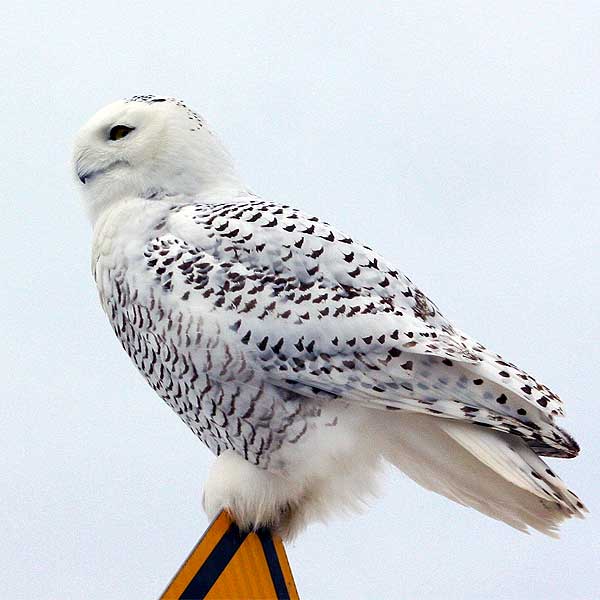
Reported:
(228, 563)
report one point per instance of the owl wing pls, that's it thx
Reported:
(320, 314)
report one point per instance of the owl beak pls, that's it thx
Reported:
(85, 174)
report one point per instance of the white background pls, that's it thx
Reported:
(461, 140)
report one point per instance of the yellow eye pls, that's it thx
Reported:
(119, 131)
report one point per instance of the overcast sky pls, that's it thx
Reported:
(461, 140)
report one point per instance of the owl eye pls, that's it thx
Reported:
(119, 131)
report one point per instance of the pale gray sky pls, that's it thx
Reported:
(461, 139)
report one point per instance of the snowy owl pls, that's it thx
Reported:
(299, 356)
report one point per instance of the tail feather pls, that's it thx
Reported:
(493, 472)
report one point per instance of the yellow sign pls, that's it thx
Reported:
(230, 564)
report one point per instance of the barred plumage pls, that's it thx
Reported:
(267, 330)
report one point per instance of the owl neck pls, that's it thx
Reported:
(210, 189)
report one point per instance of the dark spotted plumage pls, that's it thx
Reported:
(296, 354)
(254, 313)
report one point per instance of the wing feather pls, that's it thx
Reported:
(321, 314)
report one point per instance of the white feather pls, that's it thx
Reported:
(300, 357)
(481, 469)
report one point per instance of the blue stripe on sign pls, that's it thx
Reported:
(215, 564)
(273, 562)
